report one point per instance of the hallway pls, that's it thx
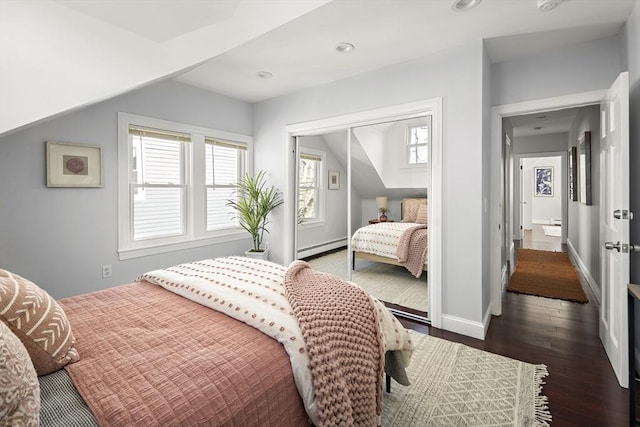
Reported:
(581, 386)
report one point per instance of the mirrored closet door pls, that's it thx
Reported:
(359, 190)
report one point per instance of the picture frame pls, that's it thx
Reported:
(74, 165)
(334, 180)
(573, 174)
(543, 181)
(584, 168)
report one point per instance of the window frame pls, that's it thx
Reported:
(422, 121)
(195, 227)
(321, 185)
(242, 170)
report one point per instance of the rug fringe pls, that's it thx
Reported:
(542, 413)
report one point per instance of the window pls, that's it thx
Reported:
(157, 187)
(174, 182)
(225, 164)
(418, 137)
(310, 188)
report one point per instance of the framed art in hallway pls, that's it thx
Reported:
(543, 181)
(584, 168)
(74, 165)
(573, 176)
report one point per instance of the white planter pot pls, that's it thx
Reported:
(257, 255)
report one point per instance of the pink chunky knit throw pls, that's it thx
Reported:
(340, 327)
(412, 249)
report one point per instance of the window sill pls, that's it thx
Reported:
(223, 237)
(311, 224)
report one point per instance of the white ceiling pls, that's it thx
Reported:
(559, 121)
(300, 53)
(60, 55)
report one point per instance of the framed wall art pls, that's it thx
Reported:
(543, 181)
(74, 165)
(584, 168)
(334, 180)
(573, 174)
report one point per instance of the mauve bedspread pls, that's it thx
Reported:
(150, 357)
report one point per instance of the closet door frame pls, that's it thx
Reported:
(435, 184)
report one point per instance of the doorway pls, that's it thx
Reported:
(612, 123)
(541, 203)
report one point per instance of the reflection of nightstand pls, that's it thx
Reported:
(377, 221)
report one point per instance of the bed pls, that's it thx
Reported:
(215, 342)
(380, 242)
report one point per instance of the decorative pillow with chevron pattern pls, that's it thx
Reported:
(39, 322)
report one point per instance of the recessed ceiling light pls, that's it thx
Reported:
(547, 5)
(264, 75)
(344, 47)
(462, 5)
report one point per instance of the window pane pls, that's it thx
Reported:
(307, 203)
(158, 214)
(219, 215)
(157, 161)
(419, 135)
(223, 165)
(308, 173)
(418, 154)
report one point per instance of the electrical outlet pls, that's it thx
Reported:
(106, 271)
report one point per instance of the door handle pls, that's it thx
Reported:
(622, 214)
(610, 246)
(626, 248)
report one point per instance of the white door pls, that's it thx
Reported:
(614, 224)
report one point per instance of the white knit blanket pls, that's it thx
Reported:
(380, 239)
(252, 291)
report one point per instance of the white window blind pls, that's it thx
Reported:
(157, 182)
(225, 163)
(309, 186)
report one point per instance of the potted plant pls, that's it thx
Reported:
(253, 203)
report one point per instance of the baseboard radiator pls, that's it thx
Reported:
(322, 247)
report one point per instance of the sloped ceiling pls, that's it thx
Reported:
(59, 55)
(364, 178)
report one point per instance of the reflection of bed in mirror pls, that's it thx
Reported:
(380, 242)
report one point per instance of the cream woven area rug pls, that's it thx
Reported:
(386, 282)
(456, 385)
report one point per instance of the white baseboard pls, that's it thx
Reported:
(322, 247)
(466, 327)
(573, 254)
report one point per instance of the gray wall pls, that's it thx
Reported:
(60, 237)
(457, 77)
(573, 69)
(335, 221)
(584, 221)
(486, 180)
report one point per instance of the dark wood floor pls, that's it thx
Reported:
(581, 386)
